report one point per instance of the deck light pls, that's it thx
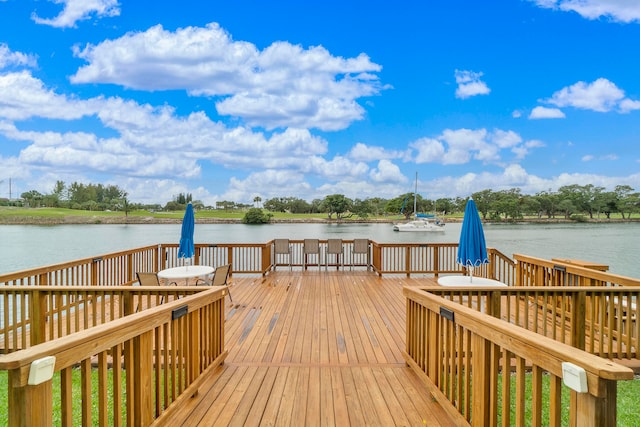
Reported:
(41, 370)
(574, 377)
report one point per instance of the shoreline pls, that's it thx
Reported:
(97, 220)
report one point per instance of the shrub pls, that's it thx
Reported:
(256, 216)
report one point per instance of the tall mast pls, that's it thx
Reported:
(415, 198)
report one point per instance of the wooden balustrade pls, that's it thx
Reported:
(468, 357)
(119, 268)
(600, 320)
(76, 311)
(533, 271)
(37, 314)
(155, 359)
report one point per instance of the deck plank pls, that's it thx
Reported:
(316, 348)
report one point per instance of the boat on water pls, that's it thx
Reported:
(421, 221)
(421, 224)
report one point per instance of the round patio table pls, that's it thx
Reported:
(468, 281)
(185, 272)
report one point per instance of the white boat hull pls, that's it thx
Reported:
(419, 225)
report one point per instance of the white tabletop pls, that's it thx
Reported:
(185, 272)
(468, 281)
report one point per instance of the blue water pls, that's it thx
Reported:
(28, 246)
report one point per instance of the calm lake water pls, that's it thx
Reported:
(27, 246)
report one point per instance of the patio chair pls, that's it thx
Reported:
(150, 279)
(311, 247)
(334, 247)
(360, 248)
(281, 248)
(220, 278)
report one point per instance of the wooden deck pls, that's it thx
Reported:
(315, 348)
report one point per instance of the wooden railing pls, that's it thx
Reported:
(37, 314)
(468, 358)
(17, 310)
(435, 259)
(533, 271)
(146, 364)
(603, 321)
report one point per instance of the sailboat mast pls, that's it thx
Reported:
(415, 197)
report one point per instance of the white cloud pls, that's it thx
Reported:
(365, 153)
(22, 97)
(627, 105)
(521, 151)
(146, 141)
(79, 10)
(546, 113)
(9, 58)
(429, 150)
(283, 85)
(469, 84)
(464, 145)
(617, 10)
(607, 157)
(387, 172)
(600, 95)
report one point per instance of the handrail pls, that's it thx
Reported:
(603, 321)
(463, 354)
(36, 314)
(532, 271)
(169, 347)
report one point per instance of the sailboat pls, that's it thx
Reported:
(421, 221)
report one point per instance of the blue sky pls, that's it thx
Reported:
(244, 99)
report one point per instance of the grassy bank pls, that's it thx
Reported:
(11, 215)
(14, 215)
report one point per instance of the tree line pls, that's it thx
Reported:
(568, 202)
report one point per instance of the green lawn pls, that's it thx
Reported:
(628, 392)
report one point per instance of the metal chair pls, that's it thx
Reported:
(311, 247)
(150, 279)
(360, 247)
(220, 278)
(281, 248)
(334, 247)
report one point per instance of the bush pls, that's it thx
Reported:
(256, 216)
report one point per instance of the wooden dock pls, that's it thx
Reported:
(314, 348)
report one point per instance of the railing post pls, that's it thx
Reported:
(578, 320)
(594, 411)
(29, 405)
(480, 371)
(407, 261)
(493, 303)
(377, 258)
(38, 306)
(436, 261)
(127, 303)
(266, 258)
(143, 362)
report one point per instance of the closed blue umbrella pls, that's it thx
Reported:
(186, 249)
(472, 249)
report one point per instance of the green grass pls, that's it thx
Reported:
(627, 407)
(76, 404)
(34, 215)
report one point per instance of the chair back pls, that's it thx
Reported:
(221, 275)
(282, 246)
(334, 246)
(148, 279)
(311, 246)
(360, 246)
